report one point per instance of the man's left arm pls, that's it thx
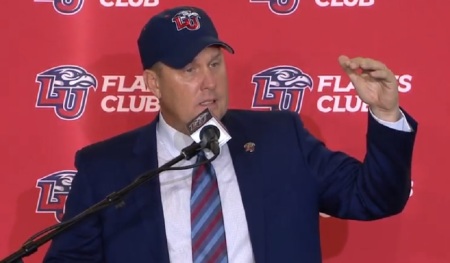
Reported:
(379, 186)
(376, 187)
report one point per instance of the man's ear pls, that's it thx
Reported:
(151, 79)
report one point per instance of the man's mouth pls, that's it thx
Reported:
(207, 102)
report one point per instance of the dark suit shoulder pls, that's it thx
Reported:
(120, 145)
(261, 117)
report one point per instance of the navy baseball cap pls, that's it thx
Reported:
(176, 36)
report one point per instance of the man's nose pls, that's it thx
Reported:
(209, 80)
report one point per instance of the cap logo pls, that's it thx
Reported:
(187, 19)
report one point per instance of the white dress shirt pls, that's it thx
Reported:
(176, 192)
(176, 195)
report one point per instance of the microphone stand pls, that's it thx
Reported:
(31, 246)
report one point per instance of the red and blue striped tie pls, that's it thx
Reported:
(208, 232)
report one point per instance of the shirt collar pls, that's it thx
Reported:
(173, 140)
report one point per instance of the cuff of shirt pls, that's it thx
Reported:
(400, 125)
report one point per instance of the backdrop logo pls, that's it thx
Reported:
(65, 7)
(65, 89)
(280, 88)
(280, 7)
(53, 192)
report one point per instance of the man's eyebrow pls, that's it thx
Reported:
(216, 55)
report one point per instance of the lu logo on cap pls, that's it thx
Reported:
(187, 19)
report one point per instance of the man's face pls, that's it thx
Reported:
(184, 93)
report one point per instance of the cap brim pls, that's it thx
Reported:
(185, 54)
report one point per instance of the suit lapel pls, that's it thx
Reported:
(147, 197)
(250, 183)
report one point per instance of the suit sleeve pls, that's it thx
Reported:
(82, 242)
(375, 188)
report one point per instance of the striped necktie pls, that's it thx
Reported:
(207, 227)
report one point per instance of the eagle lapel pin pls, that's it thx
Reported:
(249, 147)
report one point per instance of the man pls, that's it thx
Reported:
(273, 177)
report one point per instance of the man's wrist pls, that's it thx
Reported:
(387, 115)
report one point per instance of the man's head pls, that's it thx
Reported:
(183, 64)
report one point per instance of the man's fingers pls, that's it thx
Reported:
(379, 74)
(347, 64)
(385, 75)
(360, 62)
(343, 61)
(368, 63)
(360, 67)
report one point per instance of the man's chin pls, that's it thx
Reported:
(215, 111)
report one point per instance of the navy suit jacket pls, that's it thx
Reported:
(285, 182)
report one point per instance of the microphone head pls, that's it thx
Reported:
(209, 136)
(209, 131)
(197, 128)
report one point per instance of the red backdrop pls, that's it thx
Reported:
(45, 118)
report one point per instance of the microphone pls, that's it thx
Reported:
(208, 131)
(210, 135)
(208, 139)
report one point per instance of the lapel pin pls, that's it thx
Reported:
(249, 147)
